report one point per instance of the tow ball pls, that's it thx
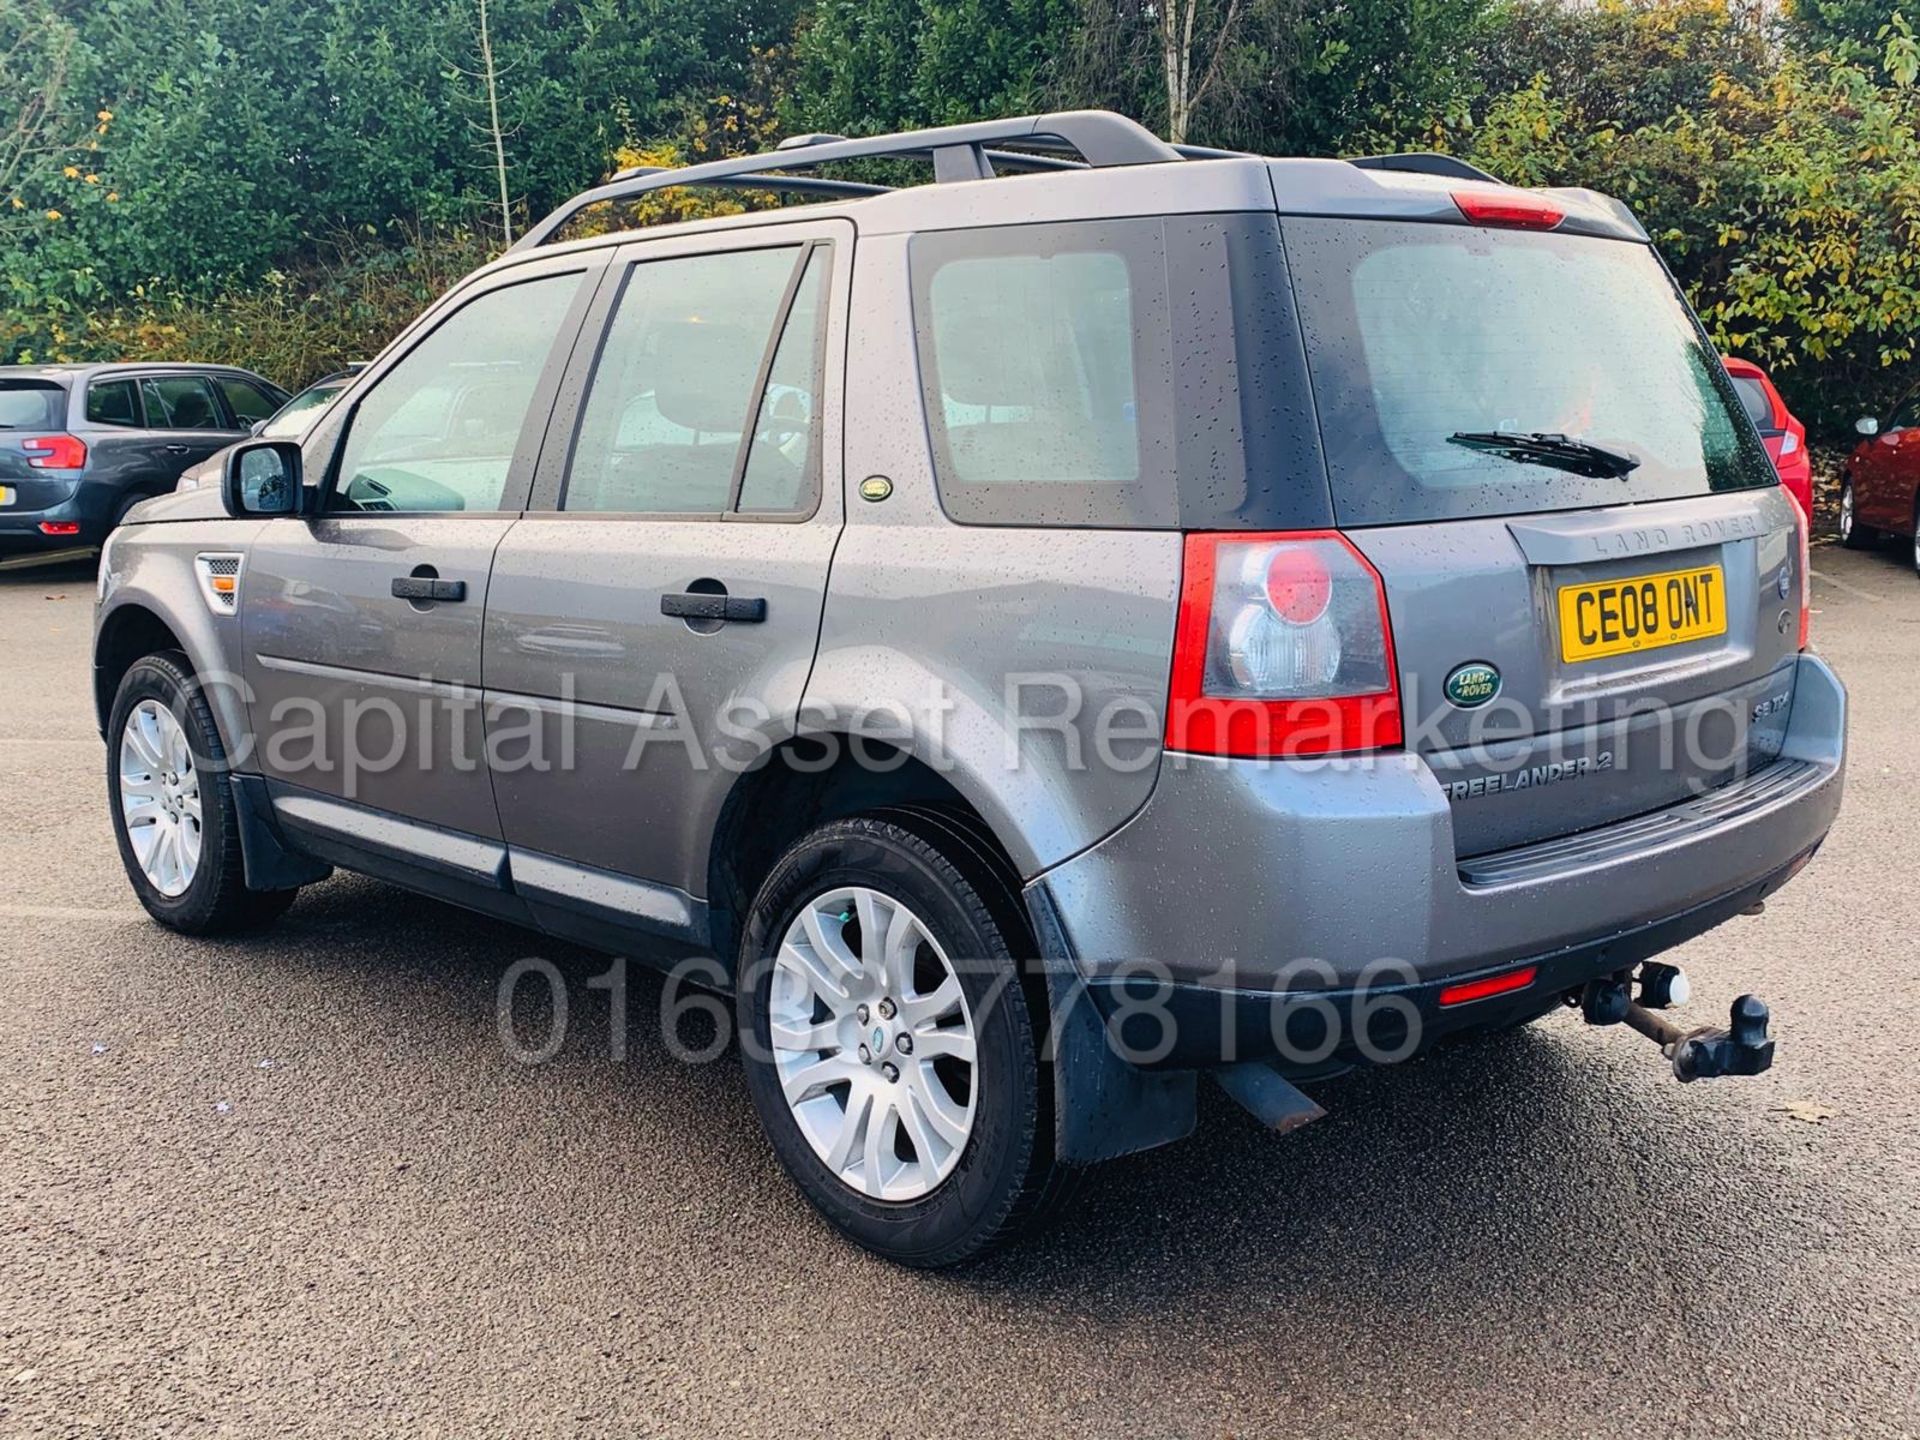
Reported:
(1743, 1047)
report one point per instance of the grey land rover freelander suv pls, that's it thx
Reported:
(1114, 614)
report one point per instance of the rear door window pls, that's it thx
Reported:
(782, 464)
(32, 405)
(112, 402)
(1418, 335)
(180, 402)
(677, 383)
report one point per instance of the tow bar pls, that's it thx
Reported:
(1743, 1048)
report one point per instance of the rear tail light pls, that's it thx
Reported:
(1283, 648)
(56, 452)
(1516, 208)
(1789, 442)
(1801, 526)
(59, 527)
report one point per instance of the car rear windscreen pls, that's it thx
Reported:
(32, 405)
(1441, 355)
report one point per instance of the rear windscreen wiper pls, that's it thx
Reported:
(1542, 447)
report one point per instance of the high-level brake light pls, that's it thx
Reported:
(1515, 208)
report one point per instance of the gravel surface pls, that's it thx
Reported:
(296, 1184)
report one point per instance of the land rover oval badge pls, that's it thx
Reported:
(1473, 684)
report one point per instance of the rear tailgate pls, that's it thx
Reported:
(1615, 642)
(1573, 738)
(31, 407)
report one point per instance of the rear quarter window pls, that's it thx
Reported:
(112, 402)
(1126, 373)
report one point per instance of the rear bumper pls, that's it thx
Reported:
(89, 505)
(1309, 1033)
(1271, 877)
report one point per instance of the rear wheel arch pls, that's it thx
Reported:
(812, 780)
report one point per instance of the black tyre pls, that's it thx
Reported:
(172, 805)
(1853, 534)
(890, 1044)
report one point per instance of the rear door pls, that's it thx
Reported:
(662, 598)
(1616, 642)
(187, 419)
(363, 621)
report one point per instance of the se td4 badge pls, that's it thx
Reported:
(1473, 684)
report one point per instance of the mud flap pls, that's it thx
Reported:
(268, 863)
(1103, 1107)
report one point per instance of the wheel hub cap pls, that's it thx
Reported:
(160, 798)
(873, 1043)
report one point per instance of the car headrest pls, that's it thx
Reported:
(703, 373)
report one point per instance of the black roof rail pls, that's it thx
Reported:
(1427, 162)
(1096, 138)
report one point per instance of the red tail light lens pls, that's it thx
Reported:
(1299, 585)
(1516, 208)
(56, 452)
(59, 527)
(1283, 648)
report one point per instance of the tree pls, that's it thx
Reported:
(493, 125)
(1180, 48)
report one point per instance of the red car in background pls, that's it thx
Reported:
(1784, 436)
(1880, 494)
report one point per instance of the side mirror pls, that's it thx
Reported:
(1867, 426)
(262, 477)
(256, 427)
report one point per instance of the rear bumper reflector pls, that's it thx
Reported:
(1489, 986)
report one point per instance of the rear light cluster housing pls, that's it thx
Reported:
(55, 452)
(1283, 648)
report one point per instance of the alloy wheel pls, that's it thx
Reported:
(160, 798)
(873, 1043)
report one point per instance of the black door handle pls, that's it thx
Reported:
(714, 607)
(420, 587)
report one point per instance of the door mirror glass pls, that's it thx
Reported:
(1867, 426)
(262, 478)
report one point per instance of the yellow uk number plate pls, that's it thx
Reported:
(1641, 612)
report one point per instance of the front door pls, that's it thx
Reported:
(663, 594)
(363, 621)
